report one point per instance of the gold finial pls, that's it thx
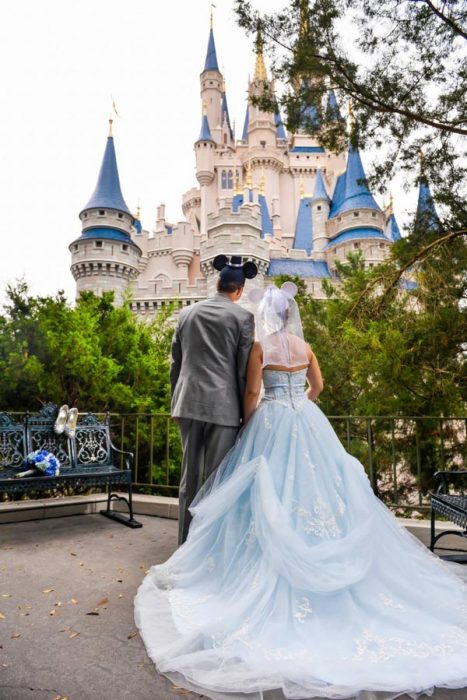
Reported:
(138, 211)
(111, 121)
(260, 67)
(211, 15)
(262, 181)
(236, 183)
(351, 116)
(422, 160)
(304, 26)
(302, 188)
(248, 179)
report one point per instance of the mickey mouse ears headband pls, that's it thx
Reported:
(288, 290)
(234, 269)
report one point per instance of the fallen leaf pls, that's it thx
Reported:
(73, 554)
(6, 595)
(120, 595)
(57, 604)
(48, 590)
(65, 629)
(15, 636)
(147, 571)
(72, 636)
(24, 614)
(2, 617)
(81, 563)
(74, 601)
(132, 634)
(104, 601)
(94, 612)
(53, 612)
(119, 580)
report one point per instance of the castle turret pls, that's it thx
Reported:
(104, 257)
(260, 127)
(205, 150)
(212, 88)
(426, 217)
(320, 203)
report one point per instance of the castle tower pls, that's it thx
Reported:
(212, 89)
(426, 217)
(105, 258)
(320, 213)
(205, 147)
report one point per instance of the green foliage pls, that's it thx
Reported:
(401, 64)
(96, 356)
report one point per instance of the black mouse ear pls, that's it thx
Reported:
(219, 262)
(250, 270)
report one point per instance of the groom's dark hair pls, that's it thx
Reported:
(228, 286)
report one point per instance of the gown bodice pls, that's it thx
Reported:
(284, 387)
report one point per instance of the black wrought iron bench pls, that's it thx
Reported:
(452, 506)
(87, 459)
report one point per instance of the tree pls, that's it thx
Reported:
(402, 63)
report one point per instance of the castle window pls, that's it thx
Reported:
(230, 180)
(356, 213)
(75, 248)
(224, 180)
(124, 247)
(381, 245)
(86, 215)
(101, 212)
(318, 207)
(97, 244)
(225, 138)
(356, 245)
(120, 216)
(373, 214)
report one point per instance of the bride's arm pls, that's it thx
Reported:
(253, 381)
(315, 380)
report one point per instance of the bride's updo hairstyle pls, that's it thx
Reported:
(278, 326)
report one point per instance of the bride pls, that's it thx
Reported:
(295, 579)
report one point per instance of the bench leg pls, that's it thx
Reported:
(129, 520)
(432, 530)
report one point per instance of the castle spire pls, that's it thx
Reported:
(205, 131)
(108, 193)
(351, 191)
(260, 66)
(320, 188)
(426, 216)
(211, 56)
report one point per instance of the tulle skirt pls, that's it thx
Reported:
(297, 582)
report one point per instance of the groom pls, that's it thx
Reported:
(210, 352)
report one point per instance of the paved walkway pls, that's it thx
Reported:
(53, 574)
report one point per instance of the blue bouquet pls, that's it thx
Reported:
(40, 462)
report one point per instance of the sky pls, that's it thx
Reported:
(63, 61)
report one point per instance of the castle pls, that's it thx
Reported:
(278, 199)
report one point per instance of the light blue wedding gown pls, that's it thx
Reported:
(296, 578)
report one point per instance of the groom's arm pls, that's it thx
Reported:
(247, 336)
(176, 360)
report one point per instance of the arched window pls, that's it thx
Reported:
(224, 180)
(230, 180)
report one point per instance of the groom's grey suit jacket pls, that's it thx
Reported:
(210, 352)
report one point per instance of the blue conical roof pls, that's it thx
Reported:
(393, 229)
(108, 194)
(211, 56)
(426, 216)
(205, 133)
(351, 190)
(333, 112)
(280, 131)
(246, 123)
(304, 227)
(225, 113)
(320, 188)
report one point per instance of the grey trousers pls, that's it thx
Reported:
(204, 447)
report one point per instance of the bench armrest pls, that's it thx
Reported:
(127, 455)
(443, 476)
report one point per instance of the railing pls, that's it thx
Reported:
(400, 453)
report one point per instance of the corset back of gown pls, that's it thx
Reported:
(284, 387)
